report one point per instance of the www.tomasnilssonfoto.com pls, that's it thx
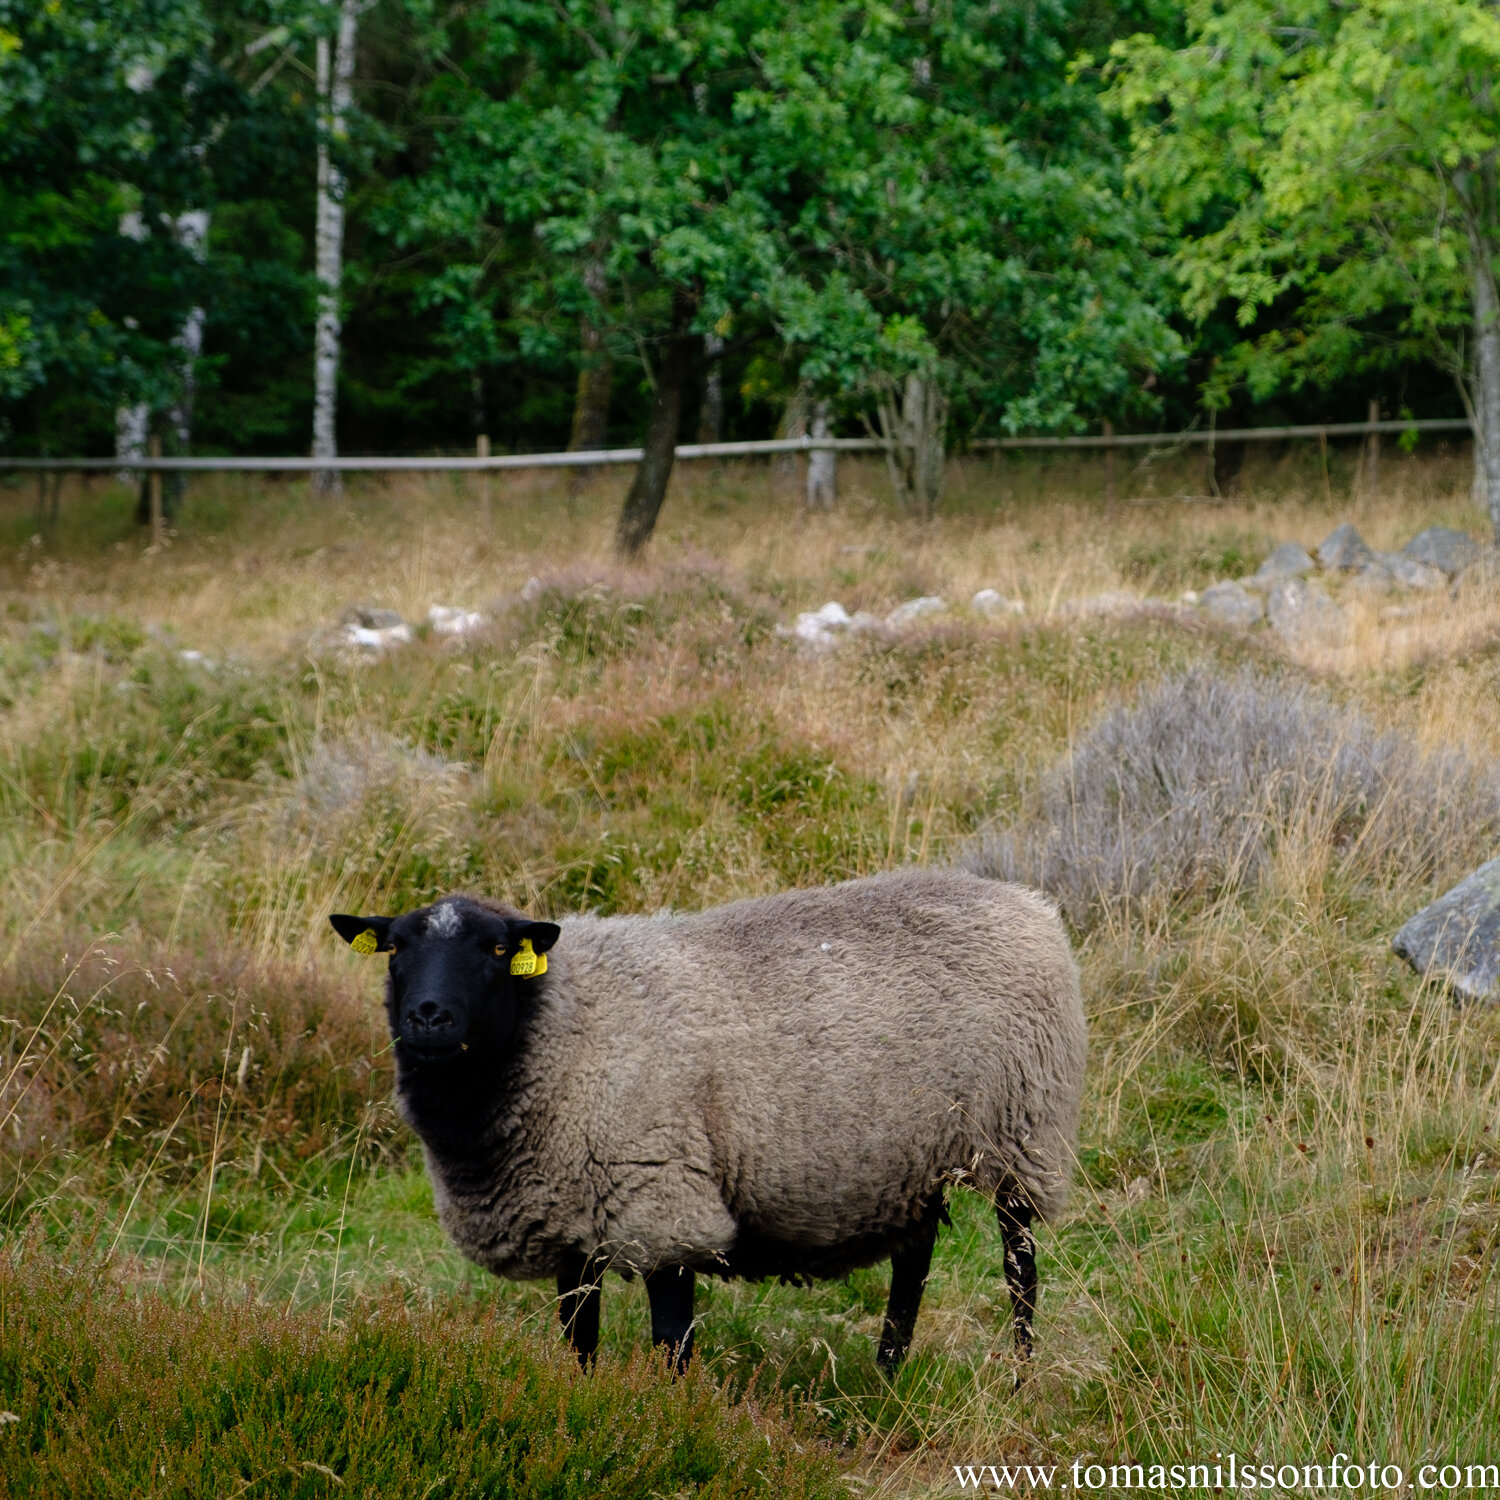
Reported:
(1229, 1472)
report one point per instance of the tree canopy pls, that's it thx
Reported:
(1027, 217)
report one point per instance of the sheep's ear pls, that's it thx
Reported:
(364, 934)
(541, 935)
(531, 940)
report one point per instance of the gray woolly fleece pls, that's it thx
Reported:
(777, 1086)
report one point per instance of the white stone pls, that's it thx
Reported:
(993, 602)
(1303, 615)
(1232, 604)
(914, 610)
(1101, 606)
(453, 619)
(1411, 574)
(377, 640)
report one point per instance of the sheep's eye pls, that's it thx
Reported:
(499, 950)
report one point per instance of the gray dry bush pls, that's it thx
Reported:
(1187, 793)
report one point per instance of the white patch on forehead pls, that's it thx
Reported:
(444, 921)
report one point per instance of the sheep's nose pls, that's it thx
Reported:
(429, 1017)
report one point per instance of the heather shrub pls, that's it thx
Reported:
(1190, 791)
(119, 1395)
(150, 1057)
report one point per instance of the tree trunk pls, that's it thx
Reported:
(335, 97)
(822, 463)
(191, 232)
(649, 488)
(596, 379)
(131, 422)
(711, 413)
(1485, 383)
(785, 467)
(914, 439)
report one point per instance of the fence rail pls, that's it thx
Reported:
(603, 456)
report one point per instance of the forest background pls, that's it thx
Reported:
(406, 224)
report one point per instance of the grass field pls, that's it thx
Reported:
(220, 1270)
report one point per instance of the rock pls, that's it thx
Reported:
(1409, 573)
(452, 619)
(1481, 579)
(1289, 560)
(372, 619)
(1101, 606)
(832, 616)
(1443, 547)
(377, 638)
(914, 610)
(1345, 550)
(993, 602)
(1303, 615)
(1232, 604)
(1376, 579)
(864, 623)
(820, 629)
(1457, 938)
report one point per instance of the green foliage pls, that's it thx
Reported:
(1335, 166)
(159, 1399)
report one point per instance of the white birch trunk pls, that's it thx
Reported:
(131, 422)
(822, 463)
(335, 97)
(1485, 383)
(191, 232)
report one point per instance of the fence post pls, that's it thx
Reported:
(1109, 467)
(1372, 452)
(153, 486)
(482, 450)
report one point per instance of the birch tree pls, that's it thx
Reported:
(335, 83)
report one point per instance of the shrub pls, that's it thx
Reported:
(115, 1395)
(1189, 791)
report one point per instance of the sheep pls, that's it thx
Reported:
(780, 1087)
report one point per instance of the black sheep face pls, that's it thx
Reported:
(459, 975)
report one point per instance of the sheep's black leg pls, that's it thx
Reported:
(1020, 1267)
(910, 1263)
(670, 1292)
(578, 1306)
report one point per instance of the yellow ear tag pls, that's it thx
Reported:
(366, 942)
(527, 964)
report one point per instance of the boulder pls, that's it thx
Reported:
(993, 602)
(1443, 547)
(1232, 604)
(453, 619)
(372, 619)
(1345, 550)
(914, 610)
(1410, 574)
(1457, 938)
(1104, 606)
(1289, 560)
(377, 637)
(1303, 615)
(820, 629)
